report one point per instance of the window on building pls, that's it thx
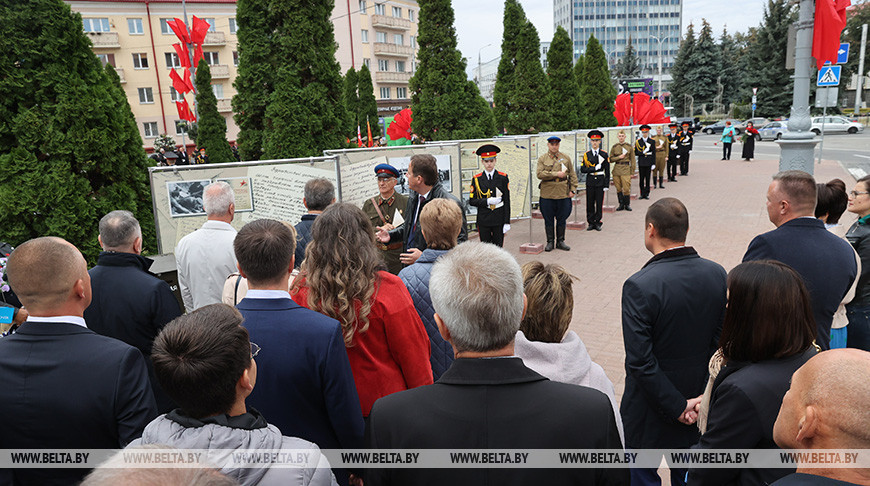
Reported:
(211, 58)
(399, 39)
(180, 127)
(410, 15)
(401, 93)
(362, 6)
(233, 27)
(96, 24)
(164, 27)
(413, 41)
(106, 59)
(172, 60)
(236, 58)
(218, 90)
(212, 25)
(135, 26)
(175, 95)
(367, 62)
(364, 35)
(383, 65)
(397, 12)
(413, 66)
(385, 93)
(400, 67)
(380, 37)
(146, 96)
(150, 129)
(380, 9)
(140, 61)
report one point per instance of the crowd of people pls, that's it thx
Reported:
(461, 348)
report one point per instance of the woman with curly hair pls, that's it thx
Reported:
(343, 277)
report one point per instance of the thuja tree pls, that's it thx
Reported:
(368, 105)
(255, 80)
(597, 94)
(70, 150)
(351, 101)
(211, 127)
(514, 22)
(580, 78)
(530, 89)
(564, 96)
(679, 86)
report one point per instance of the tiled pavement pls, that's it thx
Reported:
(726, 204)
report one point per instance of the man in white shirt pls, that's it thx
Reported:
(205, 257)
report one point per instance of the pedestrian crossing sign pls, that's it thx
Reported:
(829, 76)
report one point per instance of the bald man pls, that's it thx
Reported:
(62, 385)
(827, 408)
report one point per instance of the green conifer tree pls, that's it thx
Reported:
(564, 91)
(703, 74)
(729, 69)
(211, 126)
(351, 102)
(580, 78)
(368, 105)
(858, 15)
(70, 150)
(257, 71)
(514, 21)
(679, 87)
(530, 90)
(446, 105)
(766, 54)
(629, 65)
(597, 93)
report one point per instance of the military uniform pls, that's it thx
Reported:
(382, 211)
(597, 169)
(623, 168)
(490, 194)
(555, 200)
(685, 146)
(673, 154)
(645, 150)
(661, 141)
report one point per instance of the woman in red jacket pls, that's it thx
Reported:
(343, 276)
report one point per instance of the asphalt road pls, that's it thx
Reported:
(851, 151)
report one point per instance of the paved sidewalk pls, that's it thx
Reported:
(726, 204)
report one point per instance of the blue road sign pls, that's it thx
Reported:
(843, 53)
(829, 76)
(753, 106)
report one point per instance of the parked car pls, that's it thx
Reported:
(719, 126)
(694, 123)
(772, 130)
(757, 121)
(835, 124)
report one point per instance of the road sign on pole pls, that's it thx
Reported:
(829, 76)
(843, 53)
(754, 92)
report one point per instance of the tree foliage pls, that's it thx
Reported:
(256, 76)
(856, 17)
(597, 92)
(446, 105)
(766, 55)
(529, 92)
(629, 65)
(368, 105)
(705, 63)
(211, 127)
(730, 74)
(70, 149)
(564, 96)
(679, 87)
(351, 101)
(580, 79)
(514, 22)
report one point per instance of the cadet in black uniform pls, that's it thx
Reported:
(490, 194)
(673, 152)
(597, 169)
(686, 141)
(645, 151)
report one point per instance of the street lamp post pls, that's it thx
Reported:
(478, 64)
(660, 59)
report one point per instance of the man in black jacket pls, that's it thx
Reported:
(645, 151)
(490, 193)
(597, 169)
(129, 303)
(319, 194)
(672, 313)
(425, 186)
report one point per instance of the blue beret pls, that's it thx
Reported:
(386, 170)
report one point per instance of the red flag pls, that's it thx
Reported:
(401, 126)
(177, 83)
(180, 29)
(829, 23)
(184, 111)
(622, 109)
(358, 137)
(369, 125)
(183, 54)
(188, 81)
(180, 110)
(640, 108)
(200, 27)
(657, 113)
(197, 56)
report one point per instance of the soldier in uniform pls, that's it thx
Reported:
(622, 156)
(686, 141)
(490, 194)
(645, 150)
(387, 209)
(673, 152)
(558, 185)
(597, 169)
(661, 141)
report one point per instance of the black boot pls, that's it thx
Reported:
(627, 198)
(550, 237)
(661, 182)
(621, 202)
(560, 239)
(655, 182)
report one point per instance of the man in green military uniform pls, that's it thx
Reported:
(622, 157)
(558, 183)
(387, 209)
(661, 141)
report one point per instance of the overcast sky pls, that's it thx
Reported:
(479, 22)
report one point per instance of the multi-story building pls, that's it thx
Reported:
(382, 35)
(654, 27)
(485, 75)
(545, 48)
(132, 36)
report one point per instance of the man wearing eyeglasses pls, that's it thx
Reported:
(387, 209)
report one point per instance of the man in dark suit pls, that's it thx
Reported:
(64, 386)
(305, 386)
(425, 186)
(491, 195)
(319, 194)
(488, 399)
(645, 151)
(129, 303)
(672, 312)
(825, 262)
(597, 169)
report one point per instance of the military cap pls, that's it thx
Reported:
(386, 170)
(595, 134)
(674, 125)
(488, 151)
(553, 138)
(644, 128)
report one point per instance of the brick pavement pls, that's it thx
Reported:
(726, 204)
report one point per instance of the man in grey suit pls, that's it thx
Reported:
(672, 312)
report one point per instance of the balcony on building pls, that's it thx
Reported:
(394, 23)
(120, 72)
(225, 105)
(219, 71)
(104, 40)
(392, 77)
(392, 50)
(214, 39)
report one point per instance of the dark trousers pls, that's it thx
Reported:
(859, 327)
(594, 203)
(673, 162)
(684, 162)
(650, 477)
(643, 179)
(726, 150)
(492, 234)
(558, 209)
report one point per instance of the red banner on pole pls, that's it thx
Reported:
(177, 83)
(180, 28)
(200, 27)
(183, 54)
(827, 27)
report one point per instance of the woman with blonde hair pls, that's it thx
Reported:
(343, 277)
(544, 342)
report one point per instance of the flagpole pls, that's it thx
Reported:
(190, 56)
